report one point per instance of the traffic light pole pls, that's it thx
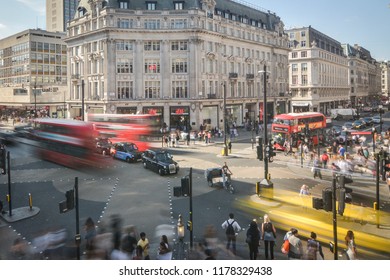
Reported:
(265, 122)
(376, 204)
(9, 184)
(192, 224)
(334, 210)
(77, 236)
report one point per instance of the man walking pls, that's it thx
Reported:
(232, 228)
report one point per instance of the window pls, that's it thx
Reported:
(303, 44)
(178, 5)
(152, 66)
(152, 24)
(294, 67)
(303, 33)
(294, 55)
(152, 46)
(124, 46)
(304, 67)
(179, 66)
(292, 35)
(179, 89)
(294, 80)
(304, 54)
(124, 66)
(151, 6)
(124, 90)
(178, 23)
(152, 89)
(125, 23)
(179, 46)
(304, 79)
(123, 5)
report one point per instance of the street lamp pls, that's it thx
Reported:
(225, 146)
(373, 132)
(380, 118)
(82, 100)
(35, 99)
(266, 182)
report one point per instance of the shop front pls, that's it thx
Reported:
(210, 117)
(126, 110)
(234, 115)
(300, 107)
(179, 118)
(158, 116)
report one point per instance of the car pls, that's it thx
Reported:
(376, 119)
(127, 151)
(347, 126)
(344, 136)
(358, 124)
(160, 161)
(103, 146)
(368, 120)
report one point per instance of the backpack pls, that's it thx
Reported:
(325, 157)
(230, 229)
(285, 246)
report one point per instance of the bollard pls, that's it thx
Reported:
(376, 206)
(30, 200)
(8, 198)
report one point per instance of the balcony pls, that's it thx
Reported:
(233, 75)
(211, 96)
(250, 76)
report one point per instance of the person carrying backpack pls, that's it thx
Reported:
(325, 159)
(314, 248)
(232, 228)
(268, 234)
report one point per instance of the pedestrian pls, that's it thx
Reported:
(268, 234)
(129, 241)
(317, 168)
(164, 251)
(304, 191)
(314, 248)
(351, 246)
(188, 138)
(90, 234)
(253, 239)
(296, 249)
(335, 149)
(232, 228)
(144, 243)
(138, 253)
(230, 146)
(341, 151)
(325, 159)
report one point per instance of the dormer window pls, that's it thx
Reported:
(123, 4)
(151, 6)
(178, 5)
(81, 11)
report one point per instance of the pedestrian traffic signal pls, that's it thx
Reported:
(341, 204)
(3, 160)
(327, 199)
(69, 199)
(185, 186)
(259, 149)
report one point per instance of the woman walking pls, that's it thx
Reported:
(268, 235)
(253, 239)
(351, 246)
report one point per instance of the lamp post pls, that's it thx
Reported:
(380, 118)
(225, 146)
(35, 100)
(266, 181)
(82, 100)
(373, 132)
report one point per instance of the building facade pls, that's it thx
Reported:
(58, 13)
(363, 76)
(385, 79)
(33, 73)
(177, 59)
(318, 71)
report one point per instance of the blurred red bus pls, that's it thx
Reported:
(289, 126)
(135, 128)
(66, 142)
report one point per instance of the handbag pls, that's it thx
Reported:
(285, 246)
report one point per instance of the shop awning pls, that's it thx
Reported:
(301, 104)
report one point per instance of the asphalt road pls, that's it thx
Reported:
(145, 199)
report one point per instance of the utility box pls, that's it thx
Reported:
(265, 189)
(318, 203)
(327, 199)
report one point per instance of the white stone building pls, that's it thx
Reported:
(175, 58)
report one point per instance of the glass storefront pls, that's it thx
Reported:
(126, 110)
(179, 118)
(158, 113)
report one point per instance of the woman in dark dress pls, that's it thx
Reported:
(253, 239)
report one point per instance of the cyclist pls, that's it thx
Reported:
(226, 173)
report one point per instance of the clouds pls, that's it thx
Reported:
(38, 6)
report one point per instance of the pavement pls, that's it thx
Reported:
(239, 150)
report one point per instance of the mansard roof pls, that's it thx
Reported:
(233, 7)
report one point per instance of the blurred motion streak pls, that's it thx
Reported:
(290, 210)
(66, 142)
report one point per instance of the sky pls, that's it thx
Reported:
(362, 22)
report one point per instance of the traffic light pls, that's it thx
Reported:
(3, 160)
(259, 149)
(185, 186)
(341, 204)
(189, 225)
(327, 199)
(69, 199)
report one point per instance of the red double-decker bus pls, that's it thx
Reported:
(65, 142)
(135, 128)
(290, 126)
